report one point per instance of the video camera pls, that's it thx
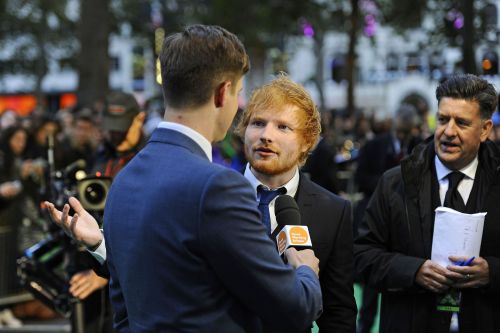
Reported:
(91, 190)
(46, 267)
(43, 273)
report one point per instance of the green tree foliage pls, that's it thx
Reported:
(34, 33)
(268, 24)
(459, 23)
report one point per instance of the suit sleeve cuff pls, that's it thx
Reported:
(100, 252)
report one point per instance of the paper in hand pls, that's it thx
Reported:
(456, 234)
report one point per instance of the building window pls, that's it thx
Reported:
(392, 62)
(338, 68)
(114, 63)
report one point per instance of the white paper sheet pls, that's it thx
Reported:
(456, 234)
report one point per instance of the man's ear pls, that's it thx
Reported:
(486, 127)
(221, 92)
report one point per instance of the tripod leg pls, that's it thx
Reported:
(77, 318)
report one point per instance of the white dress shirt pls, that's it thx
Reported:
(291, 189)
(464, 187)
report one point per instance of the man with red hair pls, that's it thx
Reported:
(280, 127)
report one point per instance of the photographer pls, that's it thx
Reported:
(122, 124)
(81, 142)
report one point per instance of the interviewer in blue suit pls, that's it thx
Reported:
(186, 248)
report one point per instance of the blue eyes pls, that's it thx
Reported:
(258, 123)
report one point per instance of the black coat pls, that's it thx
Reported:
(396, 237)
(329, 220)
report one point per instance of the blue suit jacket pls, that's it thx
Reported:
(187, 251)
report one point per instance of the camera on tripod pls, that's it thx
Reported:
(73, 181)
(42, 272)
(46, 267)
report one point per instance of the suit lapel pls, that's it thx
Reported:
(419, 214)
(305, 199)
(427, 214)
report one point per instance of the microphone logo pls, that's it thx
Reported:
(293, 236)
(298, 236)
(281, 241)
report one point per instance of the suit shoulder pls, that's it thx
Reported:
(206, 169)
(392, 175)
(391, 180)
(221, 175)
(311, 187)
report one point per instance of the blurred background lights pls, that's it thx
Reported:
(308, 30)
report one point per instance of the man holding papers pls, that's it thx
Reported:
(456, 168)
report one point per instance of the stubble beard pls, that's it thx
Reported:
(271, 167)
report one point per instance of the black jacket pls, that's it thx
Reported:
(396, 237)
(329, 220)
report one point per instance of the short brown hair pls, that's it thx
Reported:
(471, 88)
(281, 92)
(195, 61)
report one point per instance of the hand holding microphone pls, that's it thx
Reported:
(293, 239)
(304, 257)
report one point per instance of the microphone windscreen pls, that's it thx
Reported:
(286, 211)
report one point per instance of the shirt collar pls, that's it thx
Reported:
(205, 145)
(469, 170)
(291, 186)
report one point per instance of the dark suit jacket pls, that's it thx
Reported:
(329, 220)
(187, 252)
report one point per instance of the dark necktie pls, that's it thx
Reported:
(453, 199)
(266, 197)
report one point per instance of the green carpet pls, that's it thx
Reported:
(357, 295)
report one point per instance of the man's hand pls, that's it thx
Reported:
(84, 283)
(476, 275)
(305, 257)
(82, 226)
(9, 189)
(435, 278)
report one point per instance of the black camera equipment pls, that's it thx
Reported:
(43, 273)
(45, 268)
(92, 192)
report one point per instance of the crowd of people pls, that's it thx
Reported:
(38, 158)
(194, 251)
